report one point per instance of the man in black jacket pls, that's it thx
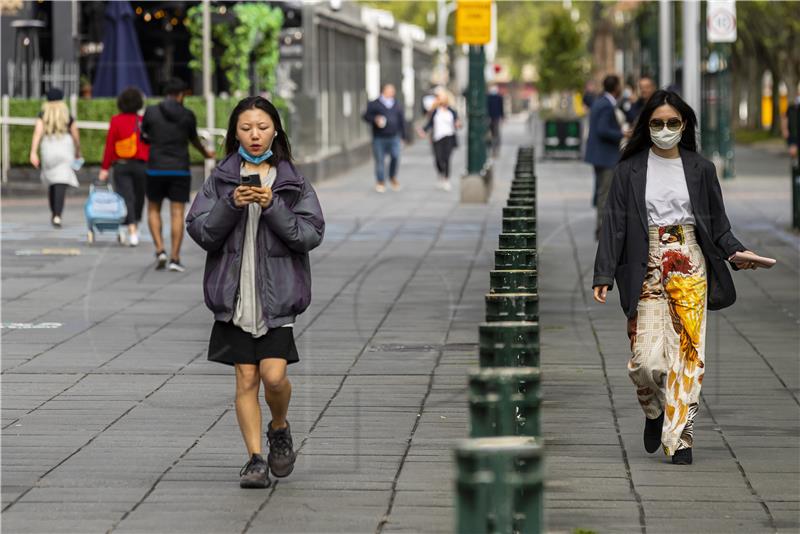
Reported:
(168, 127)
(385, 114)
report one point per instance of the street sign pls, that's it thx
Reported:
(721, 21)
(473, 22)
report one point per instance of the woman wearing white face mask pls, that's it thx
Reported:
(665, 239)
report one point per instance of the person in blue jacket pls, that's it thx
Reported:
(603, 143)
(385, 115)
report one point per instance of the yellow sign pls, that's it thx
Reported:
(473, 22)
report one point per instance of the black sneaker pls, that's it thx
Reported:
(682, 457)
(176, 266)
(652, 433)
(161, 260)
(254, 474)
(281, 453)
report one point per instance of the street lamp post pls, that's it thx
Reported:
(208, 92)
(476, 110)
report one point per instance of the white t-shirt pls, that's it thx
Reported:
(666, 195)
(444, 124)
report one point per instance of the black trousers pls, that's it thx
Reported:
(130, 178)
(56, 194)
(442, 150)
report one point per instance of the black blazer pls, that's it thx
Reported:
(623, 248)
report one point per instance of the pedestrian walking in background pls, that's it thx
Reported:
(494, 108)
(602, 145)
(791, 129)
(126, 151)
(663, 239)
(257, 218)
(168, 127)
(646, 89)
(442, 125)
(589, 94)
(56, 137)
(387, 119)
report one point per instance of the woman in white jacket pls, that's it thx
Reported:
(56, 137)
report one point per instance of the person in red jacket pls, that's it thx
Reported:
(128, 154)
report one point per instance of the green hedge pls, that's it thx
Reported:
(101, 109)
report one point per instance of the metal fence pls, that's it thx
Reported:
(34, 79)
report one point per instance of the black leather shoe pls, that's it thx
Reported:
(652, 433)
(682, 457)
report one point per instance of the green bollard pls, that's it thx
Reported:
(522, 194)
(518, 211)
(513, 259)
(522, 201)
(508, 344)
(504, 402)
(519, 225)
(512, 241)
(499, 486)
(512, 307)
(512, 281)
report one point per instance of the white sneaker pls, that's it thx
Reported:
(133, 239)
(395, 185)
(176, 266)
(56, 221)
(446, 185)
(380, 188)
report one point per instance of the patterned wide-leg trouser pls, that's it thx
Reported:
(667, 365)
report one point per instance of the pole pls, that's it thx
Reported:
(6, 147)
(207, 89)
(665, 44)
(691, 56)
(476, 111)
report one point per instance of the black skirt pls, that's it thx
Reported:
(230, 345)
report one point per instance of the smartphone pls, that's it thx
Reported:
(253, 180)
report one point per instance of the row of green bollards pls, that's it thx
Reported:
(500, 478)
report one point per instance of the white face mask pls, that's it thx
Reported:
(665, 138)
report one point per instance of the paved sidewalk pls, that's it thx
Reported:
(115, 422)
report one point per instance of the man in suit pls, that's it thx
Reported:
(602, 145)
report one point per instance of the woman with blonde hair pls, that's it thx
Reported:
(442, 125)
(56, 134)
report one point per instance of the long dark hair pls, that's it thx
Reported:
(281, 150)
(640, 140)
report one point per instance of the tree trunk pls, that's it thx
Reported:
(754, 93)
(775, 129)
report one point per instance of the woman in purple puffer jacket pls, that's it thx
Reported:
(257, 218)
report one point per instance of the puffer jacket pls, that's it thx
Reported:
(289, 228)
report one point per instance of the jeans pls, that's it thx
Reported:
(380, 147)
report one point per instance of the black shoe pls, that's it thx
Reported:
(682, 457)
(652, 433)
(254, 474)
(176, 266)
(281, 453)
(161, 260)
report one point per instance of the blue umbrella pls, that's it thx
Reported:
(121, 62)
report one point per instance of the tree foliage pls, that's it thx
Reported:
(249, 37)
(562, 59)
(768, 32)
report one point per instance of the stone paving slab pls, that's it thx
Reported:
(116, 422)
